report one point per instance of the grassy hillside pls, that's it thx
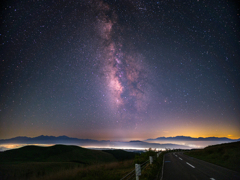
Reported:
(121, 155)
(56, 153)
(226, 155)
(63, 162)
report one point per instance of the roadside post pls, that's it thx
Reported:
(151, 159)
(138, 171)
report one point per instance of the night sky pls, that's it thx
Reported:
(120, 70)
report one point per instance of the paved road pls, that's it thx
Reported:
(182, 167)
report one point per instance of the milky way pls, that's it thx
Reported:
(124, 71)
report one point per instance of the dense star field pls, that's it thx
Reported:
(120, 69)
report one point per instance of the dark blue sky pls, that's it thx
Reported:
(120, 69)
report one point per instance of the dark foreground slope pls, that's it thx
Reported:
(56, 153)
(121, 155)
(63, 162)
(225, 155)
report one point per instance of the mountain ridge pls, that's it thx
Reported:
(48, 139)
(89, 142)
(189, 138)
(177, 142)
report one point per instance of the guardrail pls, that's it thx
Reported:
(138, 168)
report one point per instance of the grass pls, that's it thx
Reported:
(225, 155)
(64, 162)
(27, 170)
(108, 171)
(154, 170)
(65, 171)
(121, 155)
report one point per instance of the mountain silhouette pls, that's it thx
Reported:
(188, 138)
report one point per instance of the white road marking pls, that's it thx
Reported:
(190, 165)
(180, 158)
(212, 178)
